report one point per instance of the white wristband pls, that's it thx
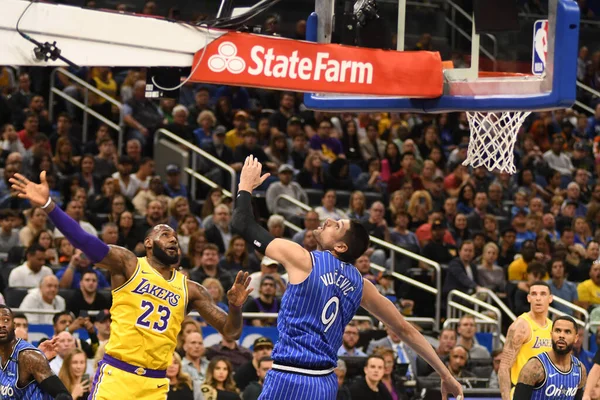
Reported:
(47, 203)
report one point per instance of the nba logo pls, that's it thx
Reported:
(540, 46)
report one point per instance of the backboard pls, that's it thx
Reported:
(530, 69)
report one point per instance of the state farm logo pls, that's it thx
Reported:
(267, 63)
(227, 59)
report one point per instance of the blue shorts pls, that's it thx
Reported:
(288, 385)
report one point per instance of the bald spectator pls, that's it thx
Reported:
(64, 345)
(31, 272)
(574, 197)
(75, 211)
(194, 361)
(457, 362)
(45, 298)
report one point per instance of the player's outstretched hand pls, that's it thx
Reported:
(239, 292)
(37, 194)
(250, 177)
(450, 386)
(48, 347)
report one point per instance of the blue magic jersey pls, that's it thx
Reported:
(314, 314)
(9, 374)
(558, 385)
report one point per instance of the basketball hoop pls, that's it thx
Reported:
(493, 137)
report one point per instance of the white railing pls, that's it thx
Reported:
(590, 90)
(199, 153)
(449, 322)
(84, 106)
(395, 249)
(453, 308)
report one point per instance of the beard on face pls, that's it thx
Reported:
(162, 255)
(9, 337)
(562, 352)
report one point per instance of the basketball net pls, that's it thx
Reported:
(493, 138)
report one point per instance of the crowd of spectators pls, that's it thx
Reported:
(400, 174)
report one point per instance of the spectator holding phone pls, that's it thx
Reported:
(72, 374)
(70, 276)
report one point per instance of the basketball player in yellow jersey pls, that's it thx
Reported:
(528, 336)
(150, 299)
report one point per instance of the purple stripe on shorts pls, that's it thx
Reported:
(96, 380)
(122, 365)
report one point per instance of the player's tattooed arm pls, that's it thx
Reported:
(228, 324)
(119, 261)
(533, 373)
(33, 365)
(518, 334)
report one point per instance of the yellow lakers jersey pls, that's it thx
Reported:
(539, 342)
(147, 312)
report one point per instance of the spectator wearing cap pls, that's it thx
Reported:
(294, 128)
(102, 323)
(557, 159)
(266, 302)
(194, 361)
(87, 296)
(129, 187)
(173, 186)
(44, 298)
(581, 157)
(286, 186)
(400, 235)
(250, 147)
(268, 267)
(437, 249)
(234, 137)
(424, 232)
(247, 373)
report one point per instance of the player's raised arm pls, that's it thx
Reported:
(116, 259)
(531, 376)
(35, 365)
(292, 256)
(386, 312)
(518, 333)
(229, 325)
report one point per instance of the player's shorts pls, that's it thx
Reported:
(115, 379)
(289, 385)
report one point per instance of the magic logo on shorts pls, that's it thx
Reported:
(145, 287)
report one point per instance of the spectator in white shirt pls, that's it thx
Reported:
(44, 298)
(129, 187)
(558, 160)
(327, 209)
(75, 211)
(31, 272)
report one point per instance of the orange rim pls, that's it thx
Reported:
(491, 74)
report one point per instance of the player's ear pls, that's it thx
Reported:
(340, 247)
(147, 242)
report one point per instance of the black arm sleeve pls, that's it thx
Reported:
(55, 388)
(597, 357)
(579, 394)
(244, 224)
(523, 391)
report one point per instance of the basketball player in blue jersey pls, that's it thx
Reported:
(25, 373)
(556, 374)
(323, 294)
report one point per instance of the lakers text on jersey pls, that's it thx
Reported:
(539, 342)
(147, 313)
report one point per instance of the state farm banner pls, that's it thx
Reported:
(243, 59)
